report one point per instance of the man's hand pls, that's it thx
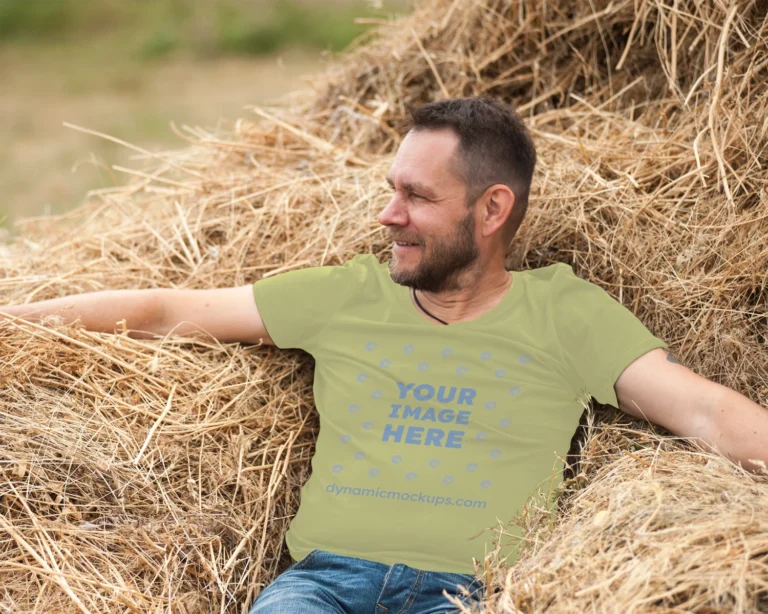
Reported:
(659, 388)
(228, 314)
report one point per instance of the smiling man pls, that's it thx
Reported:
(448, 388)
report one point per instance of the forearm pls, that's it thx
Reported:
(738, 428)
(98, 311)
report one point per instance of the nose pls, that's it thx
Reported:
(394, 214)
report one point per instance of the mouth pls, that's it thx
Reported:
(401, 247)
(406, 243)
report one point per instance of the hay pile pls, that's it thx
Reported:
(158, 476)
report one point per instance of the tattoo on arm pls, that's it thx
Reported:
(671, 358)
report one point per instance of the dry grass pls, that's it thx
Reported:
(160, 476)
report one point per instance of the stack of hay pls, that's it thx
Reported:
(154, 476)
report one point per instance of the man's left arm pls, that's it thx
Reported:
(657, 387)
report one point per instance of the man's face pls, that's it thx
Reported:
(428, 208)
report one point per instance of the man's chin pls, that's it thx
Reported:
(401, 276)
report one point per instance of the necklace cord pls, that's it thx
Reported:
(416, 298)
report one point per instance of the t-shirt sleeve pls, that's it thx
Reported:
(296, 306)
(598, 336)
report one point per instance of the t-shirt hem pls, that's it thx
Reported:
(385, 559)
(630, 357)
(265, 312)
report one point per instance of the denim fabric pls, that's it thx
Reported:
(327, 582)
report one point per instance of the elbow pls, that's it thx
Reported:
(737, 428)
(151, 318)
(705, 426)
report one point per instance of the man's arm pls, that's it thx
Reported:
(228, 314)
(660, 389)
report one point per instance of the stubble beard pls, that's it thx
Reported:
(440, 271)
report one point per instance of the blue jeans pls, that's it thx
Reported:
(325, 582)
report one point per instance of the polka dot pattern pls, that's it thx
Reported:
(425, 393)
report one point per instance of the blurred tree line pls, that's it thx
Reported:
(155, 28)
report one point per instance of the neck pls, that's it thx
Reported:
(465, 303)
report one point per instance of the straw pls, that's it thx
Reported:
(161, 475)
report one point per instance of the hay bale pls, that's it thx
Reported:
(160, 476)
(647, 526)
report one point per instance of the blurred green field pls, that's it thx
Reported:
(128, 68)
(206, 28)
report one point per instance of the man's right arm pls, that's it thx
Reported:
(227, 314)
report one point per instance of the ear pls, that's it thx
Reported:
(498, 202)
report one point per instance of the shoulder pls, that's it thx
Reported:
(361, 273)
(550, 273)
(363, 262)
(559, 278)
(333, 281)
(568, 298)
(556, 279)
(361, 268)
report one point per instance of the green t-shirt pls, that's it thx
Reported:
(430, 434)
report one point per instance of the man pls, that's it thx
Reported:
(448, 388)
